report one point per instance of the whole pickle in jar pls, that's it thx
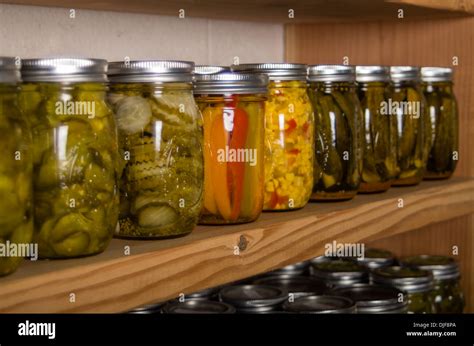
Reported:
(337, 142)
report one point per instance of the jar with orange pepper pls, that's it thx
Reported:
(289, 135)
(233, 110)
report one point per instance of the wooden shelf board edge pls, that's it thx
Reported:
(161, 270)
(276, 11)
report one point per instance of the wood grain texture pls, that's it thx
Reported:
(408, 42)
(270, 10)
(160, 270)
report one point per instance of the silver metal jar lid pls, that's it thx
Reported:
(147, 309)
(321, 305)
(210, 69)
(203, 294)
(372, 73)
(151, 71)
(64, 70)
(253, 296)
(376, 258)
(9, 70)
(374, 298)
(442, 267)
(322, 259)
(331, 73)
(436, 74)
(230, 83)
(340, 272)
(404, 73)
(293, 269)
(406, 279)
(299, 286)
(275, 71)
(198, 307)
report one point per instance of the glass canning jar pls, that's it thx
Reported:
(408, 106)
(289, 135)
(160, 136)
(16, 207)
(379, 128)
(447, 294)
(233, 110)
(338, 135)
(417, 284)
(437, 85)
(374, 299)
(75, 155)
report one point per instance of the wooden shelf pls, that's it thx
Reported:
(306, 11)
(160, 270)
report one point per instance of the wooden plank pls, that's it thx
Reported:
(449, 5)
(270, 10)
(160, 270)
(439, 239)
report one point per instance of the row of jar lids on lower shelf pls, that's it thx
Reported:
(336, 285)
(263, 298)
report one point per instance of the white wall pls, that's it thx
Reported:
(30, 31)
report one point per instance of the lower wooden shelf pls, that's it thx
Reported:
(116, 281)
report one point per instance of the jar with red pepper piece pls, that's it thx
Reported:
(289, 135)
(233, 109)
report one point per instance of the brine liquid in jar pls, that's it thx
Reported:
(233, 117)
(160, 136)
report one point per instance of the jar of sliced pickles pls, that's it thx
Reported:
(160, 139)
(447, 294)
(16, 222)
(338, 120)
(75, 155)
(437, 85)
(233, 109)
(379, 158)
(289, 135)
(417, 284)
(407, 105)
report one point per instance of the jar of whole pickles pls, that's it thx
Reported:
(447, 293)
(407, 105)
(160, 139)
(338, 120)
(289, 135)
(437, 85)
(379, 154)
(417, 284)
(16, 222)
(75, 155)
(233, 110)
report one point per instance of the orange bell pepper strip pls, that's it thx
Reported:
(236, 170)
(218, 141)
